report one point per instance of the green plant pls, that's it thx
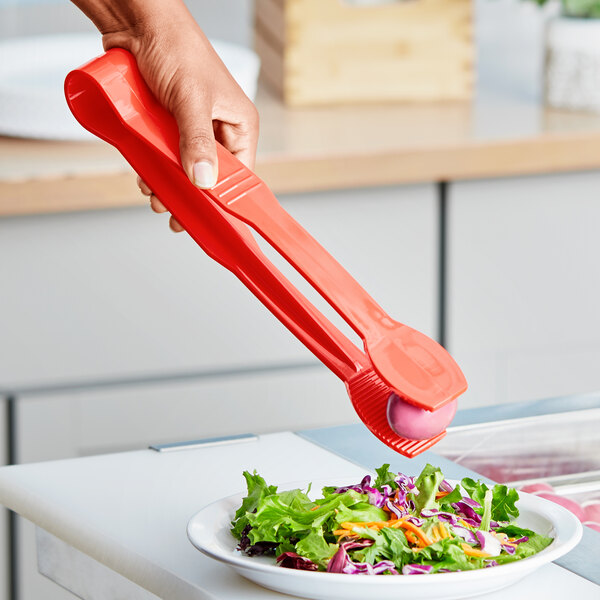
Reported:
(589, 9)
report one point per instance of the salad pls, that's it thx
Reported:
(395, 525)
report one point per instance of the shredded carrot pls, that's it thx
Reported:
(395, 523)
(417, 531)
(344, 533)
(315, 508)
(443, 531)
(504, 539)
(370, 525)
(464, 523)
(411, 537)
(441, 495)
(470, 551)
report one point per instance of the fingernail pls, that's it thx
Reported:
(204, 174)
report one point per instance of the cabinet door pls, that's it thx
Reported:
(4, 543)
(65, 425)
(110, 419)
(524, 286)
(108, 294)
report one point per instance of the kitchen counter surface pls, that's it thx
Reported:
(305, 150)
(103, 527)
(126, 514)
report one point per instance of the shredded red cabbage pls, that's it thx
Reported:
(414, 569)
(291, 560)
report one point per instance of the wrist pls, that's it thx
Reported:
(128, 24)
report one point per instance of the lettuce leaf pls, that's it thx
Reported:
(314, 547)
(361, 512)
(476, 491)
(454, 496)
(535, 544)
(389, 544)
(487, 511)
(293, 514)
(503, 499)
(503, 503)
(447, 554)
(385, 477)
(257, 490)
(427, 483)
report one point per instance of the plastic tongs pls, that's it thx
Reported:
(109, 98)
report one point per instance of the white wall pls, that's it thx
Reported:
(509, 33)
(228, 20)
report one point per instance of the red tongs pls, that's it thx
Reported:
(109, 98)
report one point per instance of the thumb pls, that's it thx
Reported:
(197, 142)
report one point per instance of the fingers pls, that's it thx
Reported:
(240, 136)
(156, 205)
(196, 137)
(143, 187)
(175, 226)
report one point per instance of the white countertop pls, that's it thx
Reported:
(129, 512)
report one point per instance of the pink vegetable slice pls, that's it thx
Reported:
(415, 423)
(566, 502)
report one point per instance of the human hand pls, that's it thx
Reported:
(187, 76)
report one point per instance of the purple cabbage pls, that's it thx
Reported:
(397, 511)
(465, 534)
(369, 569)
(490, 563)
(470, 502)
(406, 483)
(442, 516)
(447, 517)
(341, 562)
(387, 490)
(509, 548)
(357, 487)
(445, 486)
(258, 549)
(414, 569)
(489, 543)
(376, 498)
(464, 508)
(395, 501)
(291, 560)
(521, 540)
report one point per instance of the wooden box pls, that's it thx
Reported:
(331, 51)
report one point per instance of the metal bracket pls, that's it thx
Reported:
(195, 444)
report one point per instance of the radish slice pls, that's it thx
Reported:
(415, 423)
(566, 502)
(535, 488)
(592, 511)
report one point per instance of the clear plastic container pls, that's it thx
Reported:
(561, 450)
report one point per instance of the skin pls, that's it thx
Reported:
(186, 75)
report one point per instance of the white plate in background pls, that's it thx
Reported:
(32, 73)
(209, 532)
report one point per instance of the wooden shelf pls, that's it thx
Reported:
(311, 149)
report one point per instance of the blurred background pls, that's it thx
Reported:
(449, 161)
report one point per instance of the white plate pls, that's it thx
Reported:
(32, 73)
(209, 532)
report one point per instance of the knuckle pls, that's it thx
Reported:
(200, 139)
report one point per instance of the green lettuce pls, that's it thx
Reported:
(385, 477)
(257, 490)
(427, 483)
(503, 499)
